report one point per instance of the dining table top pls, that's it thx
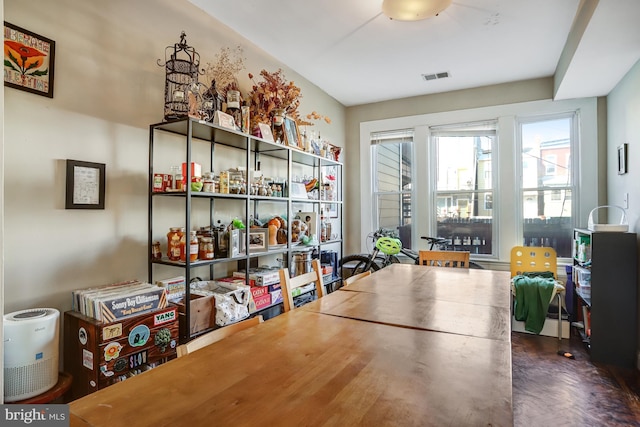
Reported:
(461, 285)
(310, 367)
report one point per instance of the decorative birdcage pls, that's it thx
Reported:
(181, 64)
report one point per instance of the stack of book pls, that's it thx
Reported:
(115, 301)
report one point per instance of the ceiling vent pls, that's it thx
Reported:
(436, 76)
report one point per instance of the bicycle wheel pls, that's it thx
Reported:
(355, 264)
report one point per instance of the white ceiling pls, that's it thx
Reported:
(358, 56)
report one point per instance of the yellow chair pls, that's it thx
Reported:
(455, 259)
(288, 284)
(527, 259)
(217, 335)
(356, 277)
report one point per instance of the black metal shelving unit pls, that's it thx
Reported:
(255, 149)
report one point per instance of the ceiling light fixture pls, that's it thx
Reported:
(413, 10)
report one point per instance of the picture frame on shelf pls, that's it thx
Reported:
(258, 239)
(224, 120)
(298, 190)
(331, 210)
(236, 243)
(291, 133)
(85, 186)
(27, 67)
(265, 132)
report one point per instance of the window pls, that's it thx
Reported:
(547, 183)
(464, 185)
(501, 204)
(392, 154)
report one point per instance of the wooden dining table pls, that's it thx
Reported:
(314, 366)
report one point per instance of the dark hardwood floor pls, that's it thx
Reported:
(551, 390)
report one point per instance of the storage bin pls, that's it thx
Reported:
(231, 300)
(201, 314)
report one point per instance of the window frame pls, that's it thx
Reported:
(467, 129)
(375, 192)
(574, 153)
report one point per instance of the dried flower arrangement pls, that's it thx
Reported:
(274, 92)
(224, 69)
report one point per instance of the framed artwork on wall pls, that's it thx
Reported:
(85, 185)
(622, 159)
(29, 61)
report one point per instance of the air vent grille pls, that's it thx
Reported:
(436, 76)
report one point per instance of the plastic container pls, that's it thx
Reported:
(621, 226)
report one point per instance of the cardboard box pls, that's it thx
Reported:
(224, 182)
(276, 296)
(258, 291)
(260, 277)
(201, 314)
(196, 170)
(256, 304)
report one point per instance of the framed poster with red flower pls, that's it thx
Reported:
(28, 61)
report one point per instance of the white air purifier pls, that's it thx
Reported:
(30, 352)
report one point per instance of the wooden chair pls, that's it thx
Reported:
(355, 277)
(288, 284)
(217, 335)
(459, 259)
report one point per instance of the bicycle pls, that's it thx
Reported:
(386, 247)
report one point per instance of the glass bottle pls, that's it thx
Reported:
(191, 246)
(207, 182)
(206, 248)
(173, 242)
(156, 252)
(178, 178)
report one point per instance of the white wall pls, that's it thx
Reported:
(108, 89)
(623, 112)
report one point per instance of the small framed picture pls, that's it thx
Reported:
(622, 159)
(298, 190)
(265, 132)
(85, 185)
(291, 134)
(331, 210)
(258, 239)
(236, 245)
